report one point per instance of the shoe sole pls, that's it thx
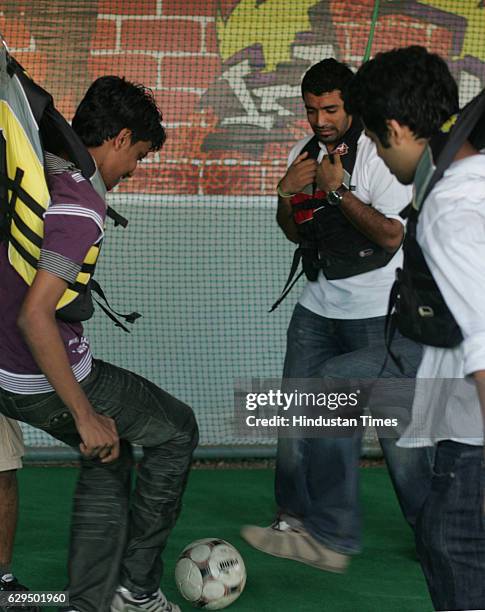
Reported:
(316, 564)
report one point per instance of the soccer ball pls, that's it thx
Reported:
(210, 573)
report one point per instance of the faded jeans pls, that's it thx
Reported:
(117, 537)
(317, 479)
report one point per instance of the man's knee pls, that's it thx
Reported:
(191, 428)
(364, 363)
(187, 430)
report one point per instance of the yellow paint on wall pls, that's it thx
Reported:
(474, 13)
(273, 24)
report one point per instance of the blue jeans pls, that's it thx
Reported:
(116, 536)
(450, 532)
(317, 479)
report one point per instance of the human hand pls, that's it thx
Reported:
(300, 174)
(330, 173)
(99, 437)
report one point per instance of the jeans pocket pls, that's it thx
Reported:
(37, 411)
(443, 475)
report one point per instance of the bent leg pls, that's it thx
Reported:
(166, 429)
(409, 468)
(144, 415)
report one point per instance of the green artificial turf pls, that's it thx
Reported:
(384, 578)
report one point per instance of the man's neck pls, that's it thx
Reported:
(466, 150)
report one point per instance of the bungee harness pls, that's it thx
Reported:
(30, 125)
(328, 240)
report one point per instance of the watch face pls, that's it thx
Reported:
(334, 198)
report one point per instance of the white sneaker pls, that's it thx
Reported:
(126, 601)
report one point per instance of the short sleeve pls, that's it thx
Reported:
(376, 185)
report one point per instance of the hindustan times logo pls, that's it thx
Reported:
(300, 399)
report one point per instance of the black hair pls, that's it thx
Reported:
(326, 76)
(410, 85)
(112, 103)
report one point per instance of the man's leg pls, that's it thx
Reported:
(167, 431)
(98, 530)
(106, 546)
(311, 341)
(317, 478)
(8, 518)
(410, 469)
(11, 451)
(450, 532)
(333, 516)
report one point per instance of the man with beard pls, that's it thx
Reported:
(341, 205)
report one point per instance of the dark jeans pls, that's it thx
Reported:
(117, 537)
(317, 479)
(450, 532)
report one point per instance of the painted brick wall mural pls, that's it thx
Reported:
(226, 73)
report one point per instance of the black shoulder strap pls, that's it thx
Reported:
(470, 124)
(110, 311)
(348, 141)
(312, 147)
(116, 217)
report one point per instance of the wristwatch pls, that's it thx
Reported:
(334, 198)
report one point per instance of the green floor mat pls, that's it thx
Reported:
(385, 578)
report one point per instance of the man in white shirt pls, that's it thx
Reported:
(406, 97)
(341, 205)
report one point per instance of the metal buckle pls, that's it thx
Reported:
(425, 311)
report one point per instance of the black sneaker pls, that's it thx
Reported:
(9, 583)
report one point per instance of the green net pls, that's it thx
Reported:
(203, 259)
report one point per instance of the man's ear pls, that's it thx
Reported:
(122, 139)
(397, 133)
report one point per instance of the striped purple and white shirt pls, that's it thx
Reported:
(73, 222)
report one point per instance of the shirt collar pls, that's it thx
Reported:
(424, 172)
(97, 181)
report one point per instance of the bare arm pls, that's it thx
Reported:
(38, 325)
(385, 232)
(300, 174)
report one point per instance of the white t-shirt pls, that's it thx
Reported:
(365, 295)
(451, 233)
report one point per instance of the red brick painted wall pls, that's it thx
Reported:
(172, 47)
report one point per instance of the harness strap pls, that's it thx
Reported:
(404, 214)
(116, 217)
(28, 200)
(108, 310)
(289, 285)
(30, 259)
(390, 330)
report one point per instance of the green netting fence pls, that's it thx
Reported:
(202, 258)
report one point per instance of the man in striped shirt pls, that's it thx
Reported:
(49, 379)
